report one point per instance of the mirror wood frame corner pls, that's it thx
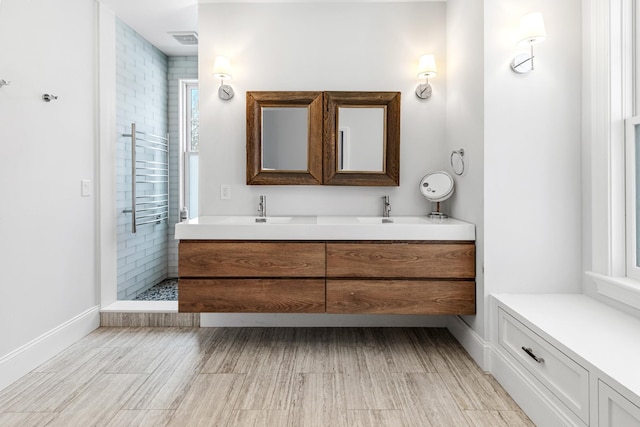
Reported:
(390, 175)
(256, 101)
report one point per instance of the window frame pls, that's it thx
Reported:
(609, 101)
(632, 69)
(186, 153)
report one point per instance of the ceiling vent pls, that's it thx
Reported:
(187, 38)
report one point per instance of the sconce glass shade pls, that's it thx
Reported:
(427, 66)
(532, 30)
(222, 68)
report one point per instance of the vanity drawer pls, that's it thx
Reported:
(565, 378)
(402, 260)
(251, 295)
(251, 259)
(401, 296)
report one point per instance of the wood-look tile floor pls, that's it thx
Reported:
(260, 377)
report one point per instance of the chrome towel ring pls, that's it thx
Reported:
(457, 161)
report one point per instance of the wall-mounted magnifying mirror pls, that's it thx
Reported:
(284, 138)
(362, 138)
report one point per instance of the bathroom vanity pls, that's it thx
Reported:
(346, 265)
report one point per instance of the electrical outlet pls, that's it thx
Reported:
(225, 192)
(85, 188)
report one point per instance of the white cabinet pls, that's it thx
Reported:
(614, 410)
(567, 359)
(565, 378)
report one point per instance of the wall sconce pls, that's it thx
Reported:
(532, 31)
(426, 68)
(222, 70)
(4, 82)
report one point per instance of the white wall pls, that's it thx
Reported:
(47, 232)
(521, 133)
(319, 46)
(521, 136)
(465, 128)
(532, 162)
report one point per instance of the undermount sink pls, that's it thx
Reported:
(256, 220)
(392, 220)
(373, 220)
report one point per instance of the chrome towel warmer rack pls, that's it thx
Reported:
(149, 178)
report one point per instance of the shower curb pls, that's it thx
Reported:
(128, 319)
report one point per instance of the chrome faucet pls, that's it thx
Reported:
(386, 207)
(262, 207)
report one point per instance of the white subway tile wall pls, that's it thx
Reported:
(148, 94)
(142, 99)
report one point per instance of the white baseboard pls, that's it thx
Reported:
(478, 349)
(33, 354)
(319, 320)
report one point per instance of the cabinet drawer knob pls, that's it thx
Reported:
(533, 356)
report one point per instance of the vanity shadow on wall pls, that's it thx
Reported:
(323, 138)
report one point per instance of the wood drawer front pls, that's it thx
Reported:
(402, 260)
(614, 409)
(251, 296)
(401, 296)
(565, 378)
(251, 259)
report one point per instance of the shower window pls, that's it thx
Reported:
(193, 118)
(190, 144)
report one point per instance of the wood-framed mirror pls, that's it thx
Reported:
(284, 138)
(362, 138)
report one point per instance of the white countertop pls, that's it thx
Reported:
(324, 228)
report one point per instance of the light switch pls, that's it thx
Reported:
(85, 188)
(225, 191)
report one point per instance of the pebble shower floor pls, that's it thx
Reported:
(167, 290)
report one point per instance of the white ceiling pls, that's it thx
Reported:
(153, 19)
